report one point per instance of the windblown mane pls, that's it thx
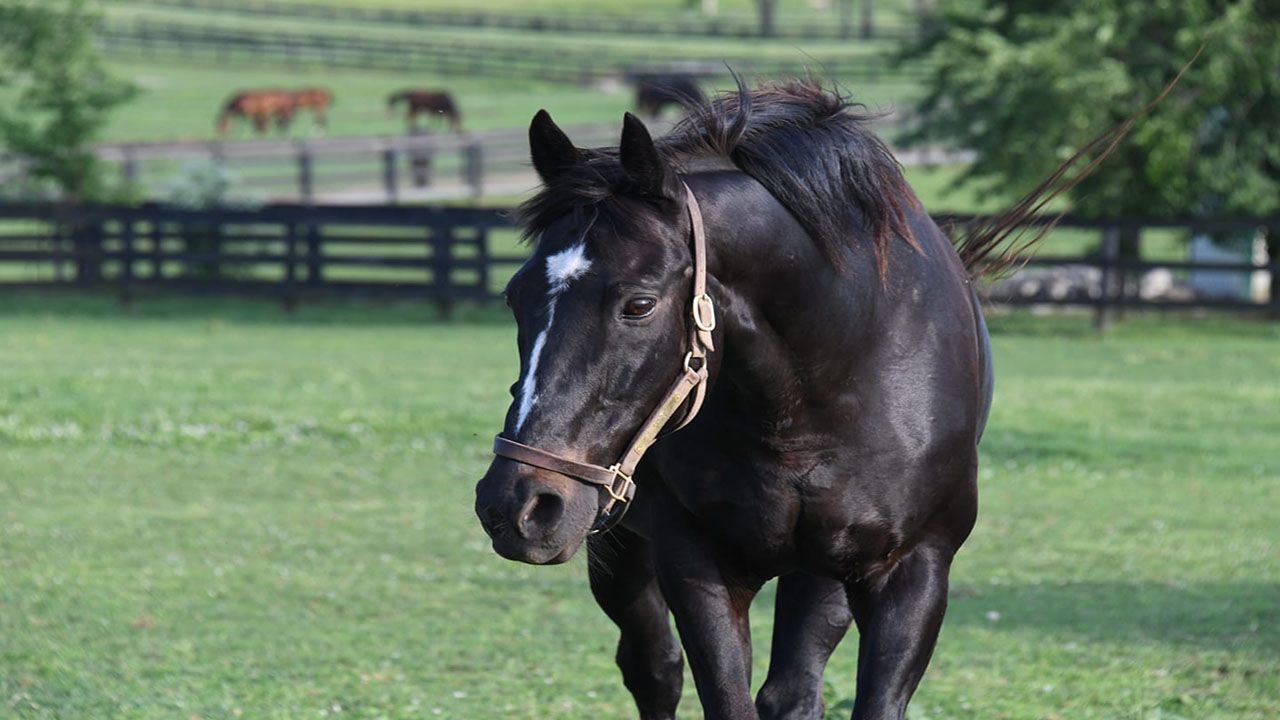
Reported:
(808, 146)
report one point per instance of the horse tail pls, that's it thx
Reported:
(996, 245)
(396, 98)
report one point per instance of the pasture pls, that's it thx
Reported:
(213, 510)
(180, 94)
(179, 101)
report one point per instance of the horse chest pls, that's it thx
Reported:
(764, 507)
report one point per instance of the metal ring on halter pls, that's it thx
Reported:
(619, 495)
(699, 302)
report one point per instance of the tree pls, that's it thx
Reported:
(1023, 83)
(49, 64)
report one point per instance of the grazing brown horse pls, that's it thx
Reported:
(432, 103)
(317, 100)
(267, 106)
(260, 107)
(762, 286)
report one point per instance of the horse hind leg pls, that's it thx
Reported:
(624, 585)
(898, 619)
(811, 616)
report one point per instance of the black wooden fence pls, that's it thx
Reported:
(443, 255)
(868, 26)
(289, 252)
(154, 39)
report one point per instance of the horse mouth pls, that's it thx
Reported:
(513, 548)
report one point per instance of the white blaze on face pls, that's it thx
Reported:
(562, 268)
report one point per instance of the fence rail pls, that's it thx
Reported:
(289, 252)
(559, 64)
(726, 26)
(444, 255)
(369, 170)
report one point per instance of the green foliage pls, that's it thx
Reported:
(62, 93)
(1025, 83)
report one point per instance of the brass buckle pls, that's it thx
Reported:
(619, 495)
(699, 303)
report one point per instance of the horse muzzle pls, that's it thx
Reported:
(534, 516)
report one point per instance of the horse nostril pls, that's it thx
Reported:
(541, 515)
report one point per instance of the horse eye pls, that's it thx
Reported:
(639, 307)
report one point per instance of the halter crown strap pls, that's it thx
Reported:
(692, 380)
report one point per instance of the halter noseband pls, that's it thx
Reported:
(616, 480)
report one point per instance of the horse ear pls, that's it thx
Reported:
(642, 162)
(552, 151)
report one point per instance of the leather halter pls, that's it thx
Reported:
(615, 480)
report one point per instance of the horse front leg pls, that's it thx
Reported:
(623, 582)
(811, 616)
(709, 592)
(899, 616)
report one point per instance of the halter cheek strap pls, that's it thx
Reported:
(615, 480)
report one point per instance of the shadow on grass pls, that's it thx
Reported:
(1215, 616)
(247, 310)
(1226, 615)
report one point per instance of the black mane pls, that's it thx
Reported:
(810, 147)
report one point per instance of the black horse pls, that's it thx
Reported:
(655, 92)
(847, 373)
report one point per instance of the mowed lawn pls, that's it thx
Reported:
(217, 511)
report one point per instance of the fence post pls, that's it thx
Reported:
(290, 296)
(442, 267)
(420, 159)
(86, 241)
(390, 175)
(315, 270)
(482, 260)
(129, 169)
(1129, 279)
(157, 250)
(306, 176)
(1110, 256)
(126, 261)
(1273, 259)
(473, 168)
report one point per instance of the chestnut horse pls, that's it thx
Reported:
(763, 283)
(267, 106)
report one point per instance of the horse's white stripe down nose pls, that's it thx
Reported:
(562, 268)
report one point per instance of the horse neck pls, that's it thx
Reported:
(804, 340)
(792, 321)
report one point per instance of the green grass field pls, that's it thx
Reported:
(180, 96)
(212, 510)
(180, 100)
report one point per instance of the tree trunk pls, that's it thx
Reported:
(924, 17)
(868, 19)
(846, 19)
(766, 16)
